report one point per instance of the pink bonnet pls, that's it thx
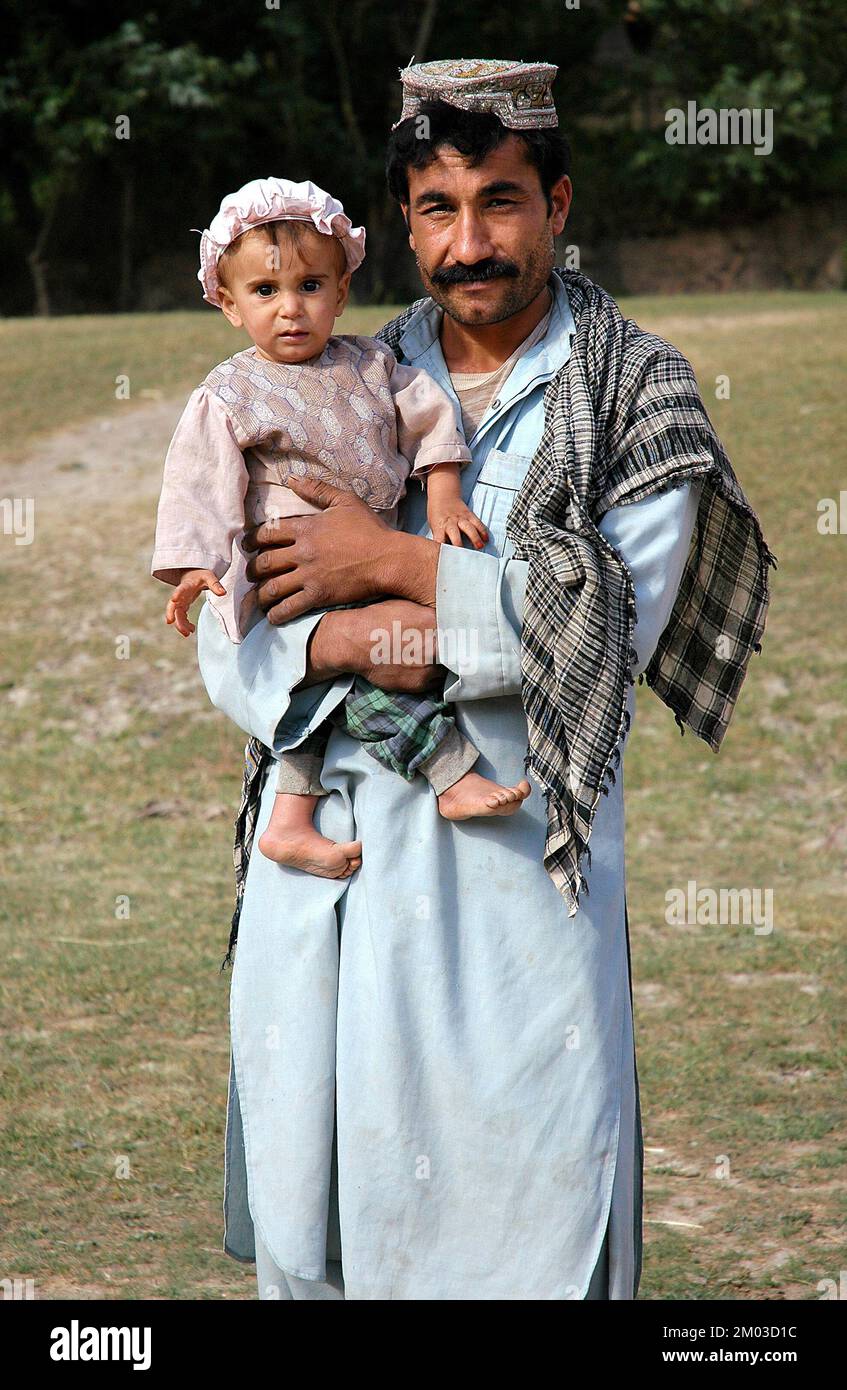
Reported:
(269, 200)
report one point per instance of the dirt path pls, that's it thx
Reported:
(101, 460)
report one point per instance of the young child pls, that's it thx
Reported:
(303, 402)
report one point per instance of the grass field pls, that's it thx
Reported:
(121, 780)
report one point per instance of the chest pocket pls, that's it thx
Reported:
(497, 484)
(502, 469)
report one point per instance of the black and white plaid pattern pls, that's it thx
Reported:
(623, 419)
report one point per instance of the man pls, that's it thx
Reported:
(433, 1091)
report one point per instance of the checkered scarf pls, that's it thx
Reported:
(623, 420)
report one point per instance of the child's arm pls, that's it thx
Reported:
(430, 439)
(448, 515)
(189, 586)
(201, 504)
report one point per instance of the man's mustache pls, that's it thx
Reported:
(483, 270)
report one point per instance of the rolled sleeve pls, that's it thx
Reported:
(480, 598)
(653, 538)
(479, 616)
(254, 681)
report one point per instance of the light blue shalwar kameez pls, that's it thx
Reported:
(431, 1057)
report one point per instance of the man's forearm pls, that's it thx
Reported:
(390, 643)
(327, 649)
(409, 567)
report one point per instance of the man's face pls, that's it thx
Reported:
(483, 237)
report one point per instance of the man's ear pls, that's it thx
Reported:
(404, 207)
(343, 291)
(229, 308)
(560, 196)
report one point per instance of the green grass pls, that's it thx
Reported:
(121, 781)
(67, 369)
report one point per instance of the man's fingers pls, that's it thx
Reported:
(279, 588)
(283, 531)
(269, 562)
(293, 607)
(318, 493)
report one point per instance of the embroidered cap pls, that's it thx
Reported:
(520, 94)
(272, 200)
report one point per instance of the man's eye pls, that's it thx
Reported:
(501, 203)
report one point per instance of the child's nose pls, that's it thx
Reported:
(289, 306)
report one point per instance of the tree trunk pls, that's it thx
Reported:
(38, 271)
(37, 262)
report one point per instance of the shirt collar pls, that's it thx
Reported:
(421, 346)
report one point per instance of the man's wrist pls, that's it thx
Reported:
(323, 653)
(409, 568)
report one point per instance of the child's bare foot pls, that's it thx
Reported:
(473, 795)
(312, 852)
(292, 839)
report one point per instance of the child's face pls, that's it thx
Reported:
(286, 297)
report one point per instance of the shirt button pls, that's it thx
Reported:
(494, 404)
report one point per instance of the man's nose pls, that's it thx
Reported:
(470, 241)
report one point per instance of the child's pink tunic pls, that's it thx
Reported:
(352, 417)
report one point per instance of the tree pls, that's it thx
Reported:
(108, 101)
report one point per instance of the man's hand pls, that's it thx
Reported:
(392, 644)
(342, 554)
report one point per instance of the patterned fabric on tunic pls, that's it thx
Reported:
(623, 419)
(332, 419)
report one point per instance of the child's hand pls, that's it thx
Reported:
(192, 583)
(449, 524)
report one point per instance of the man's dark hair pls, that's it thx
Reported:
(474, 134)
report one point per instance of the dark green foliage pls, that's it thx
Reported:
(216, 95)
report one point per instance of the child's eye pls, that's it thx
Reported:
(311, 286)
(260, 290)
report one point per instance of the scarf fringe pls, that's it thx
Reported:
(233, 937)
(560, 824)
